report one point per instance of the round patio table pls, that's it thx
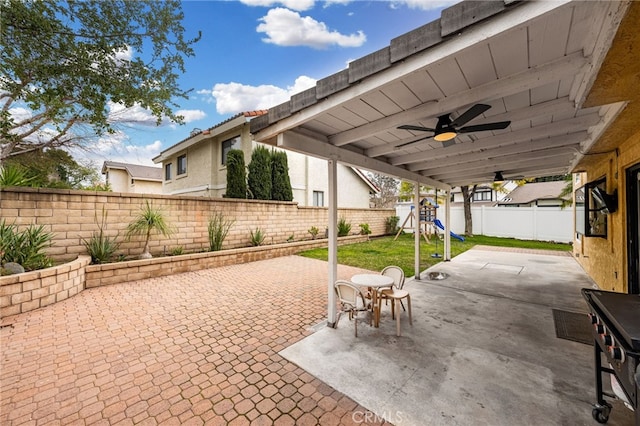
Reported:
(373, 282)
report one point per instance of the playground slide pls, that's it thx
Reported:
(441, 226)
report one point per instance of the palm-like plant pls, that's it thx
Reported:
(150, 220)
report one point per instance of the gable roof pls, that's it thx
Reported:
(372, 186)
(136, 171)
(199, 135)
(533, 62)
(531, 192)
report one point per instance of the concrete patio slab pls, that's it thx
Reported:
(482, 349)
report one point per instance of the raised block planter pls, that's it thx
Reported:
(32, 290)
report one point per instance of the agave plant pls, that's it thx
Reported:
(150, 220)
(100, 246)
(12, 175)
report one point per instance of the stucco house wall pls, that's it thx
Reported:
(132, 178)
(607, 260)
(207, 176)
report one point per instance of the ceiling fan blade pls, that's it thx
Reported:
(470, 114)
(499, 125)
(418, 128)
(412, 142)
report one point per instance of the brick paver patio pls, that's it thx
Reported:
(193, 348)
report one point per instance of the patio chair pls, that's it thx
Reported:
(353, 301)
(396, 294)
(397, 274)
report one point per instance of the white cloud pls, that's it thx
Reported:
(119, 113)
(232, 98)
(424, 4)
(136, 114)
(123, 55)
(284, 27)
(118, 147)
(190, 115)
(19, 114)
(300, 5)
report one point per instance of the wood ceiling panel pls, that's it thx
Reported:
(381, 102)
(363, 109)
(422, 85)
(544, 93)
(401, 95)
(548, 37)
(517, 101)
(447, 75)
(509, 52)
(343, 115)
(477, 66)
(587, 15)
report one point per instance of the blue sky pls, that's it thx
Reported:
(255, 54)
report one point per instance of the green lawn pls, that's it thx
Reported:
(380, 252)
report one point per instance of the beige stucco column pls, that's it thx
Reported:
(333, 240)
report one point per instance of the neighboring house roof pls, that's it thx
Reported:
(199, 135)
(373, 186)
(136, 171)
(531, 192)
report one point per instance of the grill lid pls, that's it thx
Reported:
(621, 311)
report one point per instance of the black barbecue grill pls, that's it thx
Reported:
(616, 329)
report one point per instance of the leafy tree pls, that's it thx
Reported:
(236, 175)
(281, 184)
(54, 168)
(388, 187)
(259, 179)
(64, 63)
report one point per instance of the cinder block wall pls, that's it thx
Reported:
(74, 215)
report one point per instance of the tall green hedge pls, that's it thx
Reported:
(236, 175)
(259, 179)
(281, 189)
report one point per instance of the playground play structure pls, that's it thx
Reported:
(429, 222)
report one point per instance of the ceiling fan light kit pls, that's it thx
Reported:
(446, 130)
(445, 136)
(498, 178)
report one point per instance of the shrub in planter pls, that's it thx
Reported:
(218, 229)
(344, 227)
(364, 229)
(100, 246)
(391, 224)
(26, 247)
(314, 232)
(257, 237)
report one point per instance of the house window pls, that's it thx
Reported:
(318, 199)
(228, 145)
(167, 171)
(597, 206)
(182, 164)
(482, 196)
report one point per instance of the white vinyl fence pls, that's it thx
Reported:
(525, 223)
